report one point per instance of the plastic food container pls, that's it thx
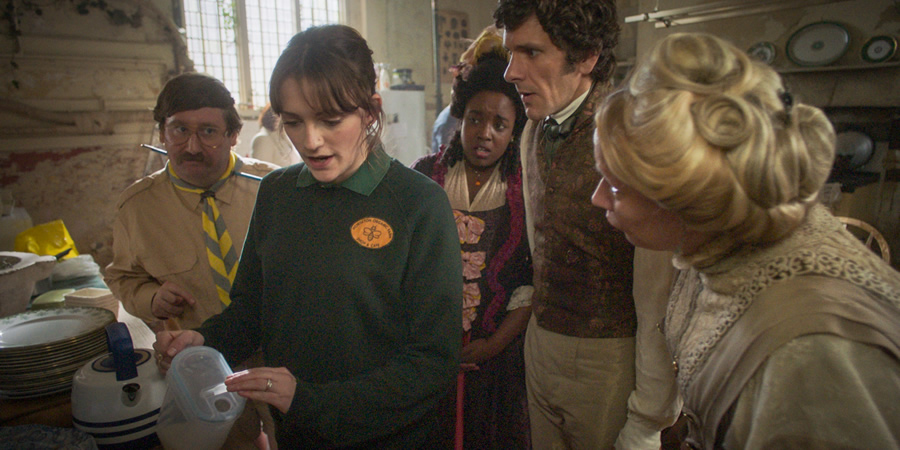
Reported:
(197, 412)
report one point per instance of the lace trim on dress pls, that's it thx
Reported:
(705, 304)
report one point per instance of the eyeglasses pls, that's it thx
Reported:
(209, 136)
(612, 190)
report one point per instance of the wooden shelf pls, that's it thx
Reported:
(628, 64)
(869, 66)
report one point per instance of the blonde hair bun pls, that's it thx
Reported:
(711, 134)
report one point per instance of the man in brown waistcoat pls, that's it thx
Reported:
(597, 371)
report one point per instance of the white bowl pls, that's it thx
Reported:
(18, 273)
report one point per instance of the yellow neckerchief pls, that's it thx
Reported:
(220, 250)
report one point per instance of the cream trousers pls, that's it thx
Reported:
(578, 388)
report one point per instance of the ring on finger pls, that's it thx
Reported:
(268, 385)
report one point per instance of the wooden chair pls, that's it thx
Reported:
(869, 235)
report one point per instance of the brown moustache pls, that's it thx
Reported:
(184, 157)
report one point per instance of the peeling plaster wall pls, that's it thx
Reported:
(76, 108)
(78, 185)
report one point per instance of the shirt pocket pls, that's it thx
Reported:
(170, 263)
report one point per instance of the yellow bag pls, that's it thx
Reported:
(51, 239)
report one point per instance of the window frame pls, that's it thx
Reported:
(235, 20)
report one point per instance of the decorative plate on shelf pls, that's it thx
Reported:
(763, 51)
(879, 49)
(818, 44)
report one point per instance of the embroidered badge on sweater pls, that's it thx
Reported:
(371, 232)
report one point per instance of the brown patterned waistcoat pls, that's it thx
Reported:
(583, 267)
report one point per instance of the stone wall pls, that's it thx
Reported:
(75, 107)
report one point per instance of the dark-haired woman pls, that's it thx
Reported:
(480, 172)
(348, 277)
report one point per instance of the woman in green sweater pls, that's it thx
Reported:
(349, 276)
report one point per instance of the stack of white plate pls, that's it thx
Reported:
(40, 350)
(100, 298)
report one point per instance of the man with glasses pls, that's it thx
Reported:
(179, 231)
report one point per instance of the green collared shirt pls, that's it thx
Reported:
(363, 181)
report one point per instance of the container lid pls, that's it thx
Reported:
(197, 377)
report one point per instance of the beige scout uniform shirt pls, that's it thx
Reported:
(158, 237)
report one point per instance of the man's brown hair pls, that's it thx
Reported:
(190, 91)
(580, 28)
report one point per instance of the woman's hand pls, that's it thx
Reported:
(468, 367)
(275, 386)
(169, 343)
(479, 350)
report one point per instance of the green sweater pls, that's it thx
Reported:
(355, 289)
